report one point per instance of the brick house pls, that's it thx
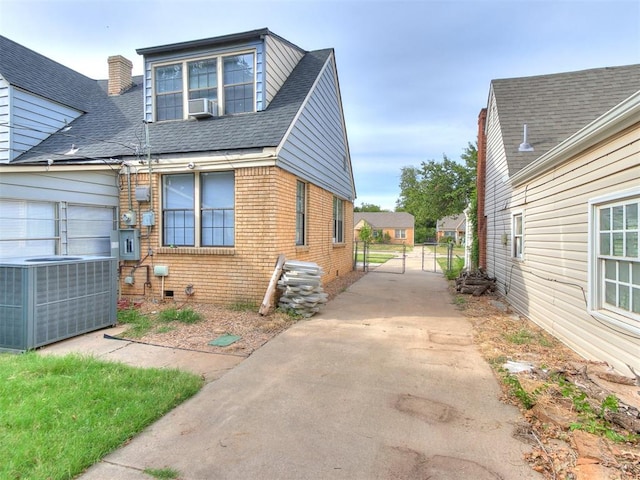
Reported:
(398, 227)
(452, 226)
(227, 152)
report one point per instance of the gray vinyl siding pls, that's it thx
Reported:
(88, 187)
(150, 61)
(86, 202)
(31, 119)
(280, 62)
(316, 147)
(551, 285)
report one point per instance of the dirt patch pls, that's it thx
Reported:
(563, 397)
(253, 329)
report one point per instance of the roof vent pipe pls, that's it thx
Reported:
(524, 146)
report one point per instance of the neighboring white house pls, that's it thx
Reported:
(561, 206)
(67, 210)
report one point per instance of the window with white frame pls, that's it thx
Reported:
(198, 209)
(517, 235)
(338, 220)
(400, 233)
(301, 212)
(177, 83)
(616, 274)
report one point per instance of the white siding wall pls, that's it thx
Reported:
(4, 121)
(316, 148)
(497, 200)
(281, 60)
(550, 285)
(57, 185)
(85, 202)
(30, 120)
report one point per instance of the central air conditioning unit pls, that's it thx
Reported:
(202, 108)
(47, 299)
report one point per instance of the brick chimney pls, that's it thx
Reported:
(119, 75)
(481, 179)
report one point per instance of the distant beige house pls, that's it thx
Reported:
(397, 227)
(453, 226)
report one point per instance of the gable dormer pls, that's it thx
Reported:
(227, 75)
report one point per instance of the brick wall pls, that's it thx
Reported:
(265, 228)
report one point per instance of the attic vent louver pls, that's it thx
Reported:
(202, 108)
(525, 146)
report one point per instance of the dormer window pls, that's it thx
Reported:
(173, 89)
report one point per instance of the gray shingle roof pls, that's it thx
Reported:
(452, 222)
(385, 219)
(554, 107)
(113, 127)
(42, 76)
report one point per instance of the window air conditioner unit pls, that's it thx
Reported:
(202, 108)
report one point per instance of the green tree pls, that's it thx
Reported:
(368, 207)
(437, 189)
(366, 233)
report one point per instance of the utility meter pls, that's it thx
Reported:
(129, 218)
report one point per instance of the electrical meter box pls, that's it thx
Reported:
(129, 243)
(148, 219)
(143, 194)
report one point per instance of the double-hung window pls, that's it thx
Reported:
(301, 210)
(203, 79)
(615, 272)
(338, 220)
(517, 236)
(168, 91)
(400, 233)
(177, 83)
(198, 210)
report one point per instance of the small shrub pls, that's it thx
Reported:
(139, 324)
(183, 316)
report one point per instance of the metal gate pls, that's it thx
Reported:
(367, 258)
(432, 252)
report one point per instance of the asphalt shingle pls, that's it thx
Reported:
(113, 125)
(556, 106)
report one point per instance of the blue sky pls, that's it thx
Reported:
(413, 74)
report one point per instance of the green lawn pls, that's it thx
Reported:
(374, 257)
(60, 415)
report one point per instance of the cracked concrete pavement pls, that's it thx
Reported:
(383, 383)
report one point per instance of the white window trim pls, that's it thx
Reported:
(513, 255)
(185, 80)
(197, 209)
(593, 274)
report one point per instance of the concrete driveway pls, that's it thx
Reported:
(384, 383)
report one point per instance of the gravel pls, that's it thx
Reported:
(244, 321)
